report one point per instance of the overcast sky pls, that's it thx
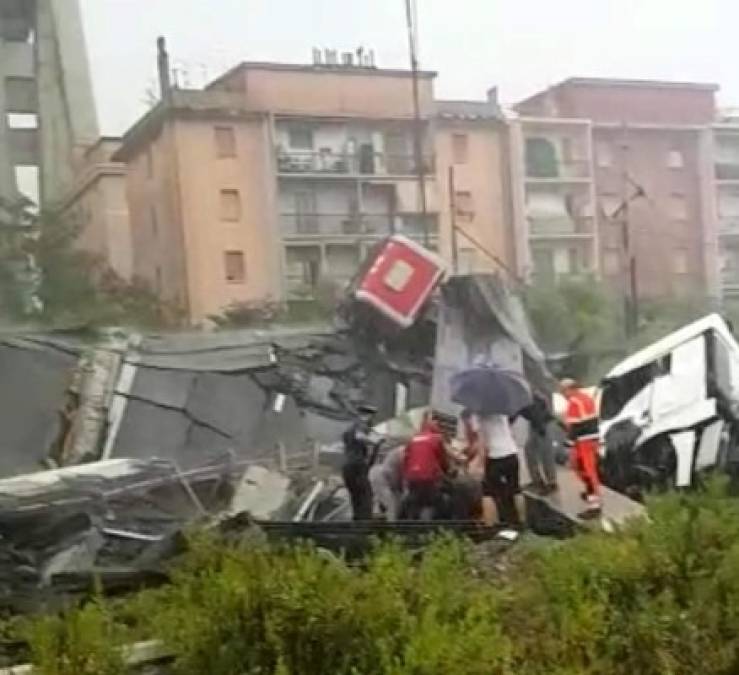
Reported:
(519, 45)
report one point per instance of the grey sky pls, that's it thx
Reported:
(519, 45)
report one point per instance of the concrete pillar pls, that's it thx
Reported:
(56, 60)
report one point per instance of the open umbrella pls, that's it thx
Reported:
(490, 390)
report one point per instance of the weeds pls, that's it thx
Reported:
(660, 597)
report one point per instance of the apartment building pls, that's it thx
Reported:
(278, 178)
(612, 169)
(98, 204)
(471, 139)
(726, 152)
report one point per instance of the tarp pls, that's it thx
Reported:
(481, 321)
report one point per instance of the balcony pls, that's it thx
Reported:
(729, 226)
(327, 225)
(327, 163)
(335, 224)
(730, 281)
(727, 171)
(560, 227)
(558, 171)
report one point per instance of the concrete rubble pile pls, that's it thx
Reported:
(143, 435)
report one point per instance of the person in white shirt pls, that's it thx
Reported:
(502, 481)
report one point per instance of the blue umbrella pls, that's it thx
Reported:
(490, 390)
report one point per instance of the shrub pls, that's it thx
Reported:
(82, 641)
(661, 596)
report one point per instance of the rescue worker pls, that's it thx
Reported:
(386, 480)
(473, 458)
(360, 451)
(581, 422)
(424, 466)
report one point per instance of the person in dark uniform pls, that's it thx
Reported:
(360, 451)
(539, 452)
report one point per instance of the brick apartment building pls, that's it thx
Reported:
(587, 146)
(276, 177)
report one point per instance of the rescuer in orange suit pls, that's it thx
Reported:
(581, 421)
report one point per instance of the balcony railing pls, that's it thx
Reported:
(340, 163)
(730, 278)
(560, 226)
(563, 170)
(727, 171)
(353, 224)
(326, 224)
(728, 225)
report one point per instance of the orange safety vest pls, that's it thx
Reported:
(581, 418)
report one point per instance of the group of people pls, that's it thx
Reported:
(420, 479)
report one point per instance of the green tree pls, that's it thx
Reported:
(46, 275)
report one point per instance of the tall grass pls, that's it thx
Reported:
(661, 597)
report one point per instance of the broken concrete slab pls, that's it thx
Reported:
(260, 492)
(33, 382)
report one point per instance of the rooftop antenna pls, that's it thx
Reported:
(165, 82)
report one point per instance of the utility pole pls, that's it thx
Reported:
(453, 222)
(411, 27)
(631, 288)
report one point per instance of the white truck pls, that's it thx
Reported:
(671, 410)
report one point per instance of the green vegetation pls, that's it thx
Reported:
(659, 597)
(318, 305)
(45, 276)
(586, 320)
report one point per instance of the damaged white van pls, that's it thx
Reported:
(670, 411)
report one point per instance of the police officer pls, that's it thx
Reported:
(360, 451)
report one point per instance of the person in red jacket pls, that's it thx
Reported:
(581, 421)
(424, 465)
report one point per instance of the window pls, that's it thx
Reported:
(610, 205)
(459, 148)
(541, 158)
(235, 267)
(22, 121)
(604, 155)
(611, 261)
(467, 260)
(678, 207)
(149, 163)
(158, 282)
(680, 261)
(573, 260)
(20, 94)
(301, 138)
(230, 205)
(464, 205)
(154, 221)
(225, 140)
(302, 268)
(306, 218)
(675, 159)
